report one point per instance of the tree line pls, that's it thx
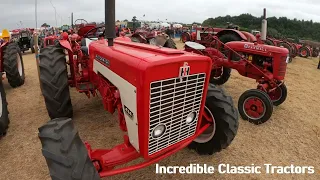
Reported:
(281, 27)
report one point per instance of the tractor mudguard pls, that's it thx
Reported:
(65, 44)
(232, 31)
(250, 37)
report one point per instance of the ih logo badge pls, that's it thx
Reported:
(184, 70)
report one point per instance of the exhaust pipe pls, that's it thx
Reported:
(110, 22)
(264, 25)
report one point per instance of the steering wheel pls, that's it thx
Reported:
(82, 21)
(208, 37)
(92, 33)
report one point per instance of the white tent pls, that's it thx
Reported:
(177, 26)
(165, 25)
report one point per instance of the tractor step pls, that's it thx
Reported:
(85, 86)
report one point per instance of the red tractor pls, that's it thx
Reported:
(266, 64)
(11, 66)
(162, 95)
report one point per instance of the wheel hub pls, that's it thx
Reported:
(210, 131)
(254, 108)
(276, 94)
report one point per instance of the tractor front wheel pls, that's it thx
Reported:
(220, 76)
(279, 95)
(13, 65)
(4, 118)
(54, 82)
(66, 155)
(223, 116)
(255, 106)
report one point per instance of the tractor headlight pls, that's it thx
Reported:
(191, 117)
(159, 131)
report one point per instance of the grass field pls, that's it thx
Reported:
(291, 136)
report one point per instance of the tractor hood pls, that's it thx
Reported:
(256, 48)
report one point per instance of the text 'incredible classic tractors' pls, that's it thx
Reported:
(163, 98)
(11, 65)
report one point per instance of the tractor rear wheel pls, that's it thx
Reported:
(66, 155)
(304, 52)
(269, 42)
(54, 82)
(255, 106)
(220, 76)
(279, 95)
(170, 44)
(225, 38)
(13, 65)
(4, 113)
(223, 116)
(287, 46)
(185, 37)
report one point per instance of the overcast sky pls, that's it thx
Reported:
(187, 11)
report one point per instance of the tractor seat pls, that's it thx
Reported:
(195, 45)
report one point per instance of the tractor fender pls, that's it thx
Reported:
(65, 44)
(250, 37)
(232, 31)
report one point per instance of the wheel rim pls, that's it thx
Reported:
(254, 108)
(303, 52)
(276, 94)
(210, 131)
(19, 64)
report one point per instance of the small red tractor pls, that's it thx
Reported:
(153, 37)
(266, 64)
(11, 66)
(163, 98)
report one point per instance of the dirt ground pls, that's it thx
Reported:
(292, 136)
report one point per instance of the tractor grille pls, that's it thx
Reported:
(171, 101)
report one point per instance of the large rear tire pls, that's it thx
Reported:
(225, 38)
(54, 81)
(4, 113)
(220, 108)
(66, 155)
(287, 46)
(13, 65)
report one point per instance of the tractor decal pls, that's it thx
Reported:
(103, 60)
(184, 70)
(259, 48)
(128, 112)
